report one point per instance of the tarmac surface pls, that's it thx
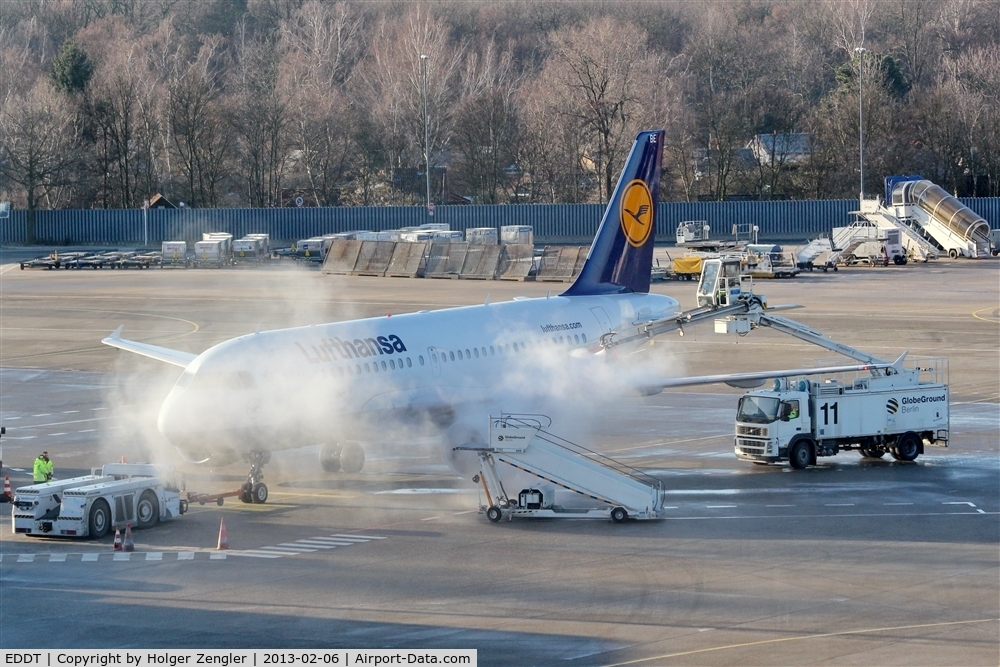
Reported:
(851, 562)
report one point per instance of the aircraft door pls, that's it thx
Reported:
(603, 318)
(432, 354)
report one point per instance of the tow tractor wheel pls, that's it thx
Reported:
(147, 510)
(494, 514)
(259, 493)
(907, 448)
(100, 518)
(618, 515)
(800, 454)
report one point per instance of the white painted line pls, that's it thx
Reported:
(981, 511)
(26, 558)
(965, 503)
(95, 409)
(465, 512)
(69, 412)
(87, 430)
(887, 504)
(337, 543)
(779, 505)
(431, 518)
(185, 555)
(359, 537)
(670, 507)
(154, 555)
(318, 545)
(18, 469)
(124, 555)
(287, 550)
(71, 421)
(57, 558)
(23, 437)
(44, 414)
(255, 554)
(717, 507)
(218, 556)
(89, 558)
(10, 419)
(52, 435)
(839, 505)
(292, 545)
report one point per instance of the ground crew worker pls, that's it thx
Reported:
(43, 469)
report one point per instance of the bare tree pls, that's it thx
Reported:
(37, 144)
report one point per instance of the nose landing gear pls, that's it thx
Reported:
(254, 490)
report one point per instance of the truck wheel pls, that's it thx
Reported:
(618, 515)
(800, 454)
(871, 452)
(494, 514)
(907, 448)
(147, 510)
(259, 493)
(100, 518)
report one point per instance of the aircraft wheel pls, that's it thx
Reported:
(147, 510)
(494, 514)
(259, 493)
(100, 518)
(329, 458)
(907, 448)
(618, 515)
(800, 454)
(246, 493)
(352, 457)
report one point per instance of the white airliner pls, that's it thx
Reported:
(342, 381)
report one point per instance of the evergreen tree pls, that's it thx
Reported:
(71, 68)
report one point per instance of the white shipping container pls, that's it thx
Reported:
(416, 237)
(310, 247)
(448, 237)
(174, 249)
(264, 239)
(436, 226)
(482, 235)
(517, 234)
(209, 252)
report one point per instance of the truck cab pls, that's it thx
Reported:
(767, 421)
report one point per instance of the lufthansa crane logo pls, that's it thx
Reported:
(637, 213)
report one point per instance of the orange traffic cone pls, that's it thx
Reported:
(117, 546)
(7, 496)
(223, 536)
(128, 545)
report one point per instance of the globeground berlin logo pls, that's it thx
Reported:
(891, 406)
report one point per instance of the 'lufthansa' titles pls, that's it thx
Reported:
(334, 349)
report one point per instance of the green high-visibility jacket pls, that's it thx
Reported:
(43, 470)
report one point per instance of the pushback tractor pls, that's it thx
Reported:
(139, 494)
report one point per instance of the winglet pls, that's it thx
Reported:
(116, 334)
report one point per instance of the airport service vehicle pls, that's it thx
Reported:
(340, 383)
(522, 443)
(798, 421)
(140, 494)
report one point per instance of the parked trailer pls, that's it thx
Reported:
(248, 250)
(174, 253)
(140, 494)
(209, 253)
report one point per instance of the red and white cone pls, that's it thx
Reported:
(128, 545)
(117, 546)
(223, 537)
(7, 495)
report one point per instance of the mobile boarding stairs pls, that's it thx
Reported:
(522, 443)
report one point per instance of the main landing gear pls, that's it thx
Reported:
(254, 490)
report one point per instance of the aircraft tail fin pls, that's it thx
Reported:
(621, 257)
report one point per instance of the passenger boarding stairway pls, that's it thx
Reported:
(520, 442)
(945, 221)
(917, 247)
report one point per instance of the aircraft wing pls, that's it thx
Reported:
(756, 379)
(175, 357)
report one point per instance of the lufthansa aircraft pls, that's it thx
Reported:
(334, 383)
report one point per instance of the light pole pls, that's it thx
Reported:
(861, 116)
(427, 133)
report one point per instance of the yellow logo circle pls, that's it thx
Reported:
(637, 213)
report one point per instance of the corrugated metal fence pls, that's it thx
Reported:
(551, 222)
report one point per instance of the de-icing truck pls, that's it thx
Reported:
(797, 421)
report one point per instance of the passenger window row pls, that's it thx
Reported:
(476, 353)
(376, 366)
